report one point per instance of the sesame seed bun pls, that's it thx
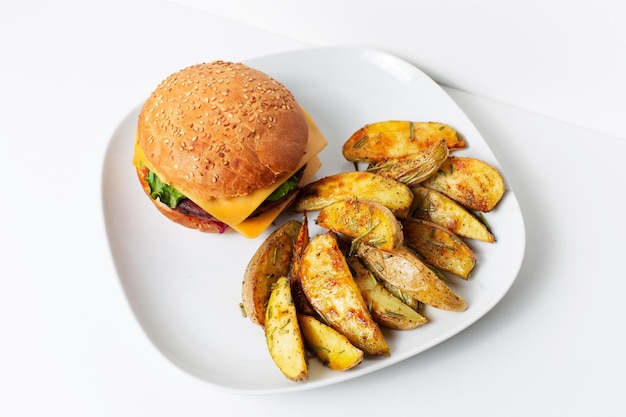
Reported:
(218, 130)
(221, 130)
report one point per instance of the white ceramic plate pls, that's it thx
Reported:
(185, 287)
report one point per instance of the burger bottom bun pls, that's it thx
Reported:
(206, 226)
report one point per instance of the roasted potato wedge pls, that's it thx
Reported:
(403, 269)
(397, 138)
(433, 206)
(471, 182)
(415, 168)
(359, 185)
(270, 262)
(302, 303)
(386, 309)
(328, 284)
(331, 347)
(282, 332)
(439, 247)
(364, 220)
(302, 239)
(407, 299)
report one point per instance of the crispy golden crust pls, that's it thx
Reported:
(221, 129)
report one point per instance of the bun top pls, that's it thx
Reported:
(221, 129)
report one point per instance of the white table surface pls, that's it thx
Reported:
(69, 344)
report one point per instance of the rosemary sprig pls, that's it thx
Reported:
(355, 242)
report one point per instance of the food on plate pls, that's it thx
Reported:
(403, 269)
(413, 168)
(394, 241)
(439, 246)
(471, 182)
(221, 146)
(358, 185)
(271, 261)
(433, 206)
(301, 241)
(407, 299)
(364, 220)
(331, 347)
(397, 138)
(282, 333)
(330, 287)
(386, 309)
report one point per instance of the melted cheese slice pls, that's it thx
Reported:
(235, 211)
(253, 227)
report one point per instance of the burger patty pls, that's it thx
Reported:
(189, 208)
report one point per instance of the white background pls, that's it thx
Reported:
(541, 80)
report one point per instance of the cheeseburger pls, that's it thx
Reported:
(221, 146)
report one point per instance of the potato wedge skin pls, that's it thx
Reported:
(407, 299)
(358, 185)
(386, 309)
(366, 220)
(302, 240)
(401, 268)
(282, 333)
(439, 247)
(415, 168)
(397, 138)
(328, 284)
(332, 348)
(270, 262)
(471, 182)
(431, 205)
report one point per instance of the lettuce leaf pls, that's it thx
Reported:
(164, 192)
(171, 196)
(284, 189)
